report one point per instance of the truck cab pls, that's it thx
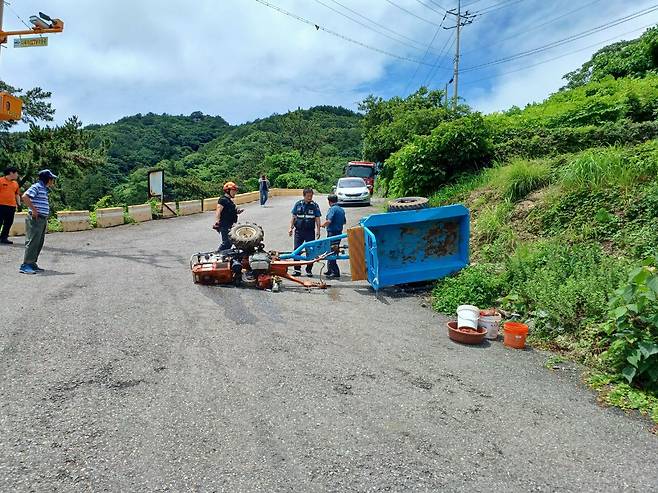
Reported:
(362, 169)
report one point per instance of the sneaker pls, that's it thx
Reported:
(6, 241)
(296, 273)
(26, 269)
(309, 274)
(333, 276)
(37, 268)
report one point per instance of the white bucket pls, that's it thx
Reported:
(467, 316)
(491, 323)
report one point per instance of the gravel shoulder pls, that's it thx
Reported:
(117, 373)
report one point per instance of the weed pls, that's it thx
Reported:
(480, 285)
(519, 178)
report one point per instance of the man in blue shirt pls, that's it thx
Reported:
(305, 223)
(334, 223)
(36, 222)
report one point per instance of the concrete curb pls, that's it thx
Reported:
(188, 207)
(18, 228)
(74, 220)
(111, 216)
(140, 213)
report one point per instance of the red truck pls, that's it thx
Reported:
(362, 169)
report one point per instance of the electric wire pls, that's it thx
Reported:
(497, 7)
(378, 24)
(435, 70)
(436, 33)
(429, 6)
(18, 16)
(534, 28)
(411, 13)
(418, 45)
(563, 41)
(526, 67)
(318, 27)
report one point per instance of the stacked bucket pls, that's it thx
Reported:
(470, 316)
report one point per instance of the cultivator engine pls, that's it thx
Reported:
(247, 263)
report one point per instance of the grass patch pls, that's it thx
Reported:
(620, 394)
(519, 178)
(457, 191)
(599, 169)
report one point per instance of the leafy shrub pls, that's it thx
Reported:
(563, 287)
(519, 178)
(480, 285)
(54, 225)
(634, 328)
(428, 161)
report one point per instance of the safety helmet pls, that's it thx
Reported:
(229, 185)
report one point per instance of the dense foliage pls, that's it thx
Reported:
(623, 59)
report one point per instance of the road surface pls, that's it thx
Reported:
(117, 373)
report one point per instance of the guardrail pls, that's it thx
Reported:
(115, 216)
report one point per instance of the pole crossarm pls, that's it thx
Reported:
(57, 27)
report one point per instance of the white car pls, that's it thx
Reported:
(352, 191)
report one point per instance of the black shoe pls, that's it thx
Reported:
(296, 273)
(309, 274)
(333, 276)
(37, 268)
(6, 241)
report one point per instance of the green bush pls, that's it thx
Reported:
(429, 161)
(634, 328)
(492, 221)
(480, 285)
(54, 225)
(562, 287)
(519, 178)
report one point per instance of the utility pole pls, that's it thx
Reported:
(461, 21)
(2, 12)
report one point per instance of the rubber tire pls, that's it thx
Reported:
(408, 204)
(246, 236)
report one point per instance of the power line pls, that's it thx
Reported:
(536, 27)
(411, 13)
(419, 46)
(318, 27)
(366, 26)
(430, 7)
(436, 33)
(433, 71)
(498, 6)
(18, 16)
(526, 67)
(563, 41)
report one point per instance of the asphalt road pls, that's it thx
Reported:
(117, 373)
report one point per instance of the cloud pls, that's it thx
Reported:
(242, 60)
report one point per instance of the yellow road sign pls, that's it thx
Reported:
(30, 42)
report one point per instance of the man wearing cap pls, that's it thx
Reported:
(305, 223)
(226, 214)
(36, 222)
(10, 199)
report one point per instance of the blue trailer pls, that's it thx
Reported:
(402, 247)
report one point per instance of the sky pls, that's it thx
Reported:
(243, 60)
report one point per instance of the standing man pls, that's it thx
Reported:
(305, 222)
(10, 199)
(263, 188)
(226, 214)
(36, 222)
(334, 224)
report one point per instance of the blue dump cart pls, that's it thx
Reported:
(401, 247)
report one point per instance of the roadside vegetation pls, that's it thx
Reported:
(563, 197)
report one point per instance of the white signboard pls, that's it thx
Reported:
(156, 183)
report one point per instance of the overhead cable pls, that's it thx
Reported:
(318, 27)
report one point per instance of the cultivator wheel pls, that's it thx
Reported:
(246, 236)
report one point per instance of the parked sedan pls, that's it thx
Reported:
(352, 191)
